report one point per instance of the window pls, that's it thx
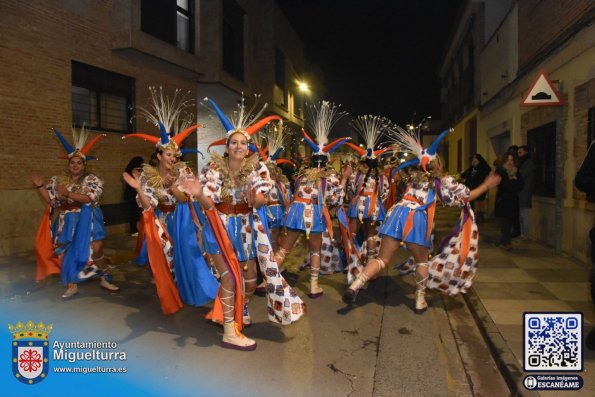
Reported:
(169, 20)
(590, 126)
(542, 141)
(233, 39)
(102, 100)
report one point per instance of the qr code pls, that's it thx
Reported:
(553, 341)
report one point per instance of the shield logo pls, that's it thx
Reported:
(30, 352)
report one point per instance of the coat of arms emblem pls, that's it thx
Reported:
(30, 351)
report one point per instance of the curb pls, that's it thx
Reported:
(503, 356)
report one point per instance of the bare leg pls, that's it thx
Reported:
(314, 245)
(232, 337)
(249, 287)
(101, 262)
(285, 245)
(388, 247)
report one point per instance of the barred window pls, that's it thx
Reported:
(101, 100)
(170, 20)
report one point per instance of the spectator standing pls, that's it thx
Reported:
(133, 168)
(507, 200)
(472, 178)
(526, 194)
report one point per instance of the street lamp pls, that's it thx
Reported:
(303, 87)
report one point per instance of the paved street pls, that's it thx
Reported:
(379, 347)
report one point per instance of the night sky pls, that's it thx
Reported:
(376, 56)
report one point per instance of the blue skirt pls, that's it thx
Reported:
(352, 212)
(295, 220)
(395, 223)
(196, 284)
(233, 227)
(71, 219)
(276, 215)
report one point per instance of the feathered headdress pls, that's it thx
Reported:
(276, 137)
(80, 148)
(244, 121)
(322, 118)
(170, 115)
(371, 129)
(409, 142)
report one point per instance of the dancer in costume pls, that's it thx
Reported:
(280, 195)
(170, 223)
(75, 243)
(368, 189)
(232, 191)
(317, 188)
(410, 221)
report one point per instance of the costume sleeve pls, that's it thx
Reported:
(260, 179)
(334, 191)
(148, 191)
(184, 174)
(210, 179)
(92, 187)
(351, 187)
(452, 193)
(385, 186)
(585, 177)
(51, 188)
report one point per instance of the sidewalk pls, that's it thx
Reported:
(529, 278)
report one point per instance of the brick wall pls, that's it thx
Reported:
(543, 21)
(39, 41)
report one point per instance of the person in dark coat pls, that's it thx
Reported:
(134, 168)
(473, 177)
(516, 225)
(585, 182)
(507, 200)
(526, 194)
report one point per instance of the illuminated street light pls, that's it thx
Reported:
(303, 87)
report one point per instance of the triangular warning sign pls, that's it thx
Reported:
(542, 92)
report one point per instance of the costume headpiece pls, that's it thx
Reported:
(243, 121)
(80, 148)
(322, 119)
(275, 143)
(170, 116)
(371, 129)
(409, 142)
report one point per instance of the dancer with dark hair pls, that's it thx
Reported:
(410, 221)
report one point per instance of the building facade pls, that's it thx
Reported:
(531, 36)
(71, 62)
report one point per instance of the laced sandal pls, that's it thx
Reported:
(350, 295)
(421, 305)
(315, 290)
(107, 285)
(246, 319)
(88, 272)
(72, 290)
(234, 339)
(227, 307)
